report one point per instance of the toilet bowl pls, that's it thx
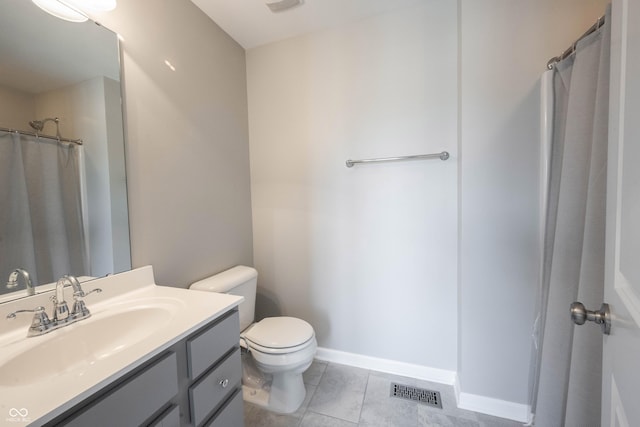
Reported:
(276, 350)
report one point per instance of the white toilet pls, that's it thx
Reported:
(279, 349)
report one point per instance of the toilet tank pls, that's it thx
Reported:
(239, 280)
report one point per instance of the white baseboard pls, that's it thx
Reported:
(410, 370)
(495, 407)
(471, 402)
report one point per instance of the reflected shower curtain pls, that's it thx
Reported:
(41, 224)
(569, 382)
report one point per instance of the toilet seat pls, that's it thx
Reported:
(279, 335)
(276, 351)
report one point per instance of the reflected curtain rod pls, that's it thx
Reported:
(29, 133)
(551, 63)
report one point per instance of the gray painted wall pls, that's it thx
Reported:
(187, 140)
(188, 162)
(367, 255)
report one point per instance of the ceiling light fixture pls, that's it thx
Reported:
(73, 10)
(280, 5)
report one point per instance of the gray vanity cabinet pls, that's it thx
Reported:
(195, 382)
(161, 377)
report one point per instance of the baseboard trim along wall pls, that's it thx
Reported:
(496, 407)
(425, 373)
(471, 402)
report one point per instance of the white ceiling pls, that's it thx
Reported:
(251, 23)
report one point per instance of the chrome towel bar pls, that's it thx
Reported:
(442, 156)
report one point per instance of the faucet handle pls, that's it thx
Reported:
(80, 310)
(40, 322)
(96, 290)
(38, 310)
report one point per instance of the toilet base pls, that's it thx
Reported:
(284, 395)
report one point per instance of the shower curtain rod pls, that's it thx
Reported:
(551, 63)
(26, 132)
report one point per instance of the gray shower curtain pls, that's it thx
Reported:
(569, 386)
(41, 224)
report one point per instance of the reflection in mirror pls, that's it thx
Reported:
(62, 173)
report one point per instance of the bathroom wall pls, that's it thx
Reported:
(187, 140)
(347, 248)
(367, 255)
(504, 46)
(16, 108)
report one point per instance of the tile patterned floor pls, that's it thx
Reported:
(343, 396)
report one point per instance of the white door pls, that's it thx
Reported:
(621, 362)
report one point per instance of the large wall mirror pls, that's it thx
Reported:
(64, 204)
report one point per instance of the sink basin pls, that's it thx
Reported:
(77, 347)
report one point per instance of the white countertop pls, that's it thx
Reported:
(51, 394)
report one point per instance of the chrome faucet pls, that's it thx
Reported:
(60, 307)
(61, 316)
(13, 280)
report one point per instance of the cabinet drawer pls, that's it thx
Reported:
(206, 348)
(231, 415)
(136, 400)
(209, 392)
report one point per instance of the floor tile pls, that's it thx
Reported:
(433, 419)
(382, 410)
(311, 419)
(255, 416)
(489, 421)
(314, 373)
(340, 392)
(343, 396)
(447, 397)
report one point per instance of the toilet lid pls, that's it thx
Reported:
(280, 332)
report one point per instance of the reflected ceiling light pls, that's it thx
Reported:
(280, 5)
(60, 10)
(92, 5)
(72, 10)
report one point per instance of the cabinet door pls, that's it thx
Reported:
(169, 418)
(133, 402)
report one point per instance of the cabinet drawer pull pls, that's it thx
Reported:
(224, 383)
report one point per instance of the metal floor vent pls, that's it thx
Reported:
(428, 397)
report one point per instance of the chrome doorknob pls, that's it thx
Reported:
(579, 315)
